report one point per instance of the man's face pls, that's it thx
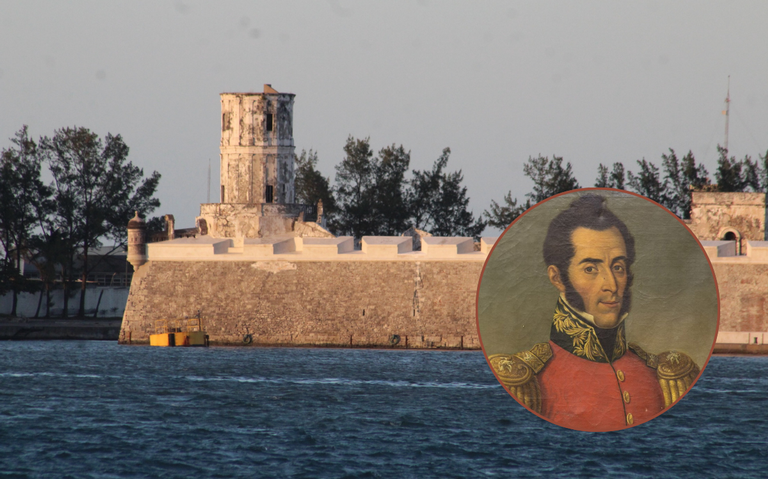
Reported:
(598, 273)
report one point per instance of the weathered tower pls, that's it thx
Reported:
(137, 242)
(257, 147)
(257, 179)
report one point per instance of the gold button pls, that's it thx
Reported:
(626, 397)
(620, 375)
(630, 419)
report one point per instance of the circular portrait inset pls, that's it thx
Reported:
(597, 309)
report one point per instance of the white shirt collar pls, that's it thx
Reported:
(590, 319)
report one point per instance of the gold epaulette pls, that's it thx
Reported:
(518, 373)
(675, 372)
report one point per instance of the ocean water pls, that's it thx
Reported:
(96, 409)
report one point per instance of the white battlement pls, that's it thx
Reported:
(486, 243)
(373, 248)
(319, 247)
(446, 247)
(758, 250)
(725, 252)
(386, 245)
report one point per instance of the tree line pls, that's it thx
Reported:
(669, 185)
(93, 194)
(372, 194)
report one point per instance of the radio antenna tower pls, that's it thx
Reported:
(209, 181)
(727, 111)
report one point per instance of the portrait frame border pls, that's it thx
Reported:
(702, 368)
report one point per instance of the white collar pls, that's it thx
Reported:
(588, 317)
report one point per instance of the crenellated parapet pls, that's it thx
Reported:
(292, 248)
(309, 291)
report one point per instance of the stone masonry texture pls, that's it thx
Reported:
(743, 299)
(424, 304)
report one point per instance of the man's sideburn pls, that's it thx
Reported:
(575, 299)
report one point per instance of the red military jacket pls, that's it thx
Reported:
(597, 396)
(573, 382)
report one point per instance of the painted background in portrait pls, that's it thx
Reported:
(674, 294)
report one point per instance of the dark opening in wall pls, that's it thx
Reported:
(270, 194)
(202, 226)
(730, 236)
(222, 195)
(269, 121)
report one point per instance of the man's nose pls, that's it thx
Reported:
(609, 281)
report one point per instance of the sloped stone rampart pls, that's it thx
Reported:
(413, 304)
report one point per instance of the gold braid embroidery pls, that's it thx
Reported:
(621, 344)
(585, 342)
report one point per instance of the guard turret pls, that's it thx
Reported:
(137, 241)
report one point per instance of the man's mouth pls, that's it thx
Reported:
(611, 303)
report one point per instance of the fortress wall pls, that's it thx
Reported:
(321, 292)
(428, 304)
(743, 297)
(742, 282)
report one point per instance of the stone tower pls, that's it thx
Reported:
(257, 147)
(257, 177)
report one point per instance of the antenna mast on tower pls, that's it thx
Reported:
(727, 111)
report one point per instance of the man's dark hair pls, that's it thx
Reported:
(591, 212)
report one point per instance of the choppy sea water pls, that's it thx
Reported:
(96, 409)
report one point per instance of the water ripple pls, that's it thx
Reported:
(344, 382)
(95, 409)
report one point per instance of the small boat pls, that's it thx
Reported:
(169, 332)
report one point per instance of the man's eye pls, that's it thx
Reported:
(590, 269)
(619, 268)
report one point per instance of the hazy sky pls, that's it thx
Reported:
(496, 81)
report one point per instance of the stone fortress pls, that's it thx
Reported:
(261, 269)
(731, 226)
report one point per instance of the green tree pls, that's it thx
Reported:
(389, 204)
(502, 215)
(763, 172)
(648, 182)
(680, 175)
(736, 175)
(353, 190)
(24, 202)
(96, 190)
(311, 186)
(48, 249)
(371, 194)
(549, 177)
(439, 202)
(616, 178)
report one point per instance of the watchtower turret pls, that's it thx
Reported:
(137, 241)
(257, 148)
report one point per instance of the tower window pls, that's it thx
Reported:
(269, 121)
(270, 194)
